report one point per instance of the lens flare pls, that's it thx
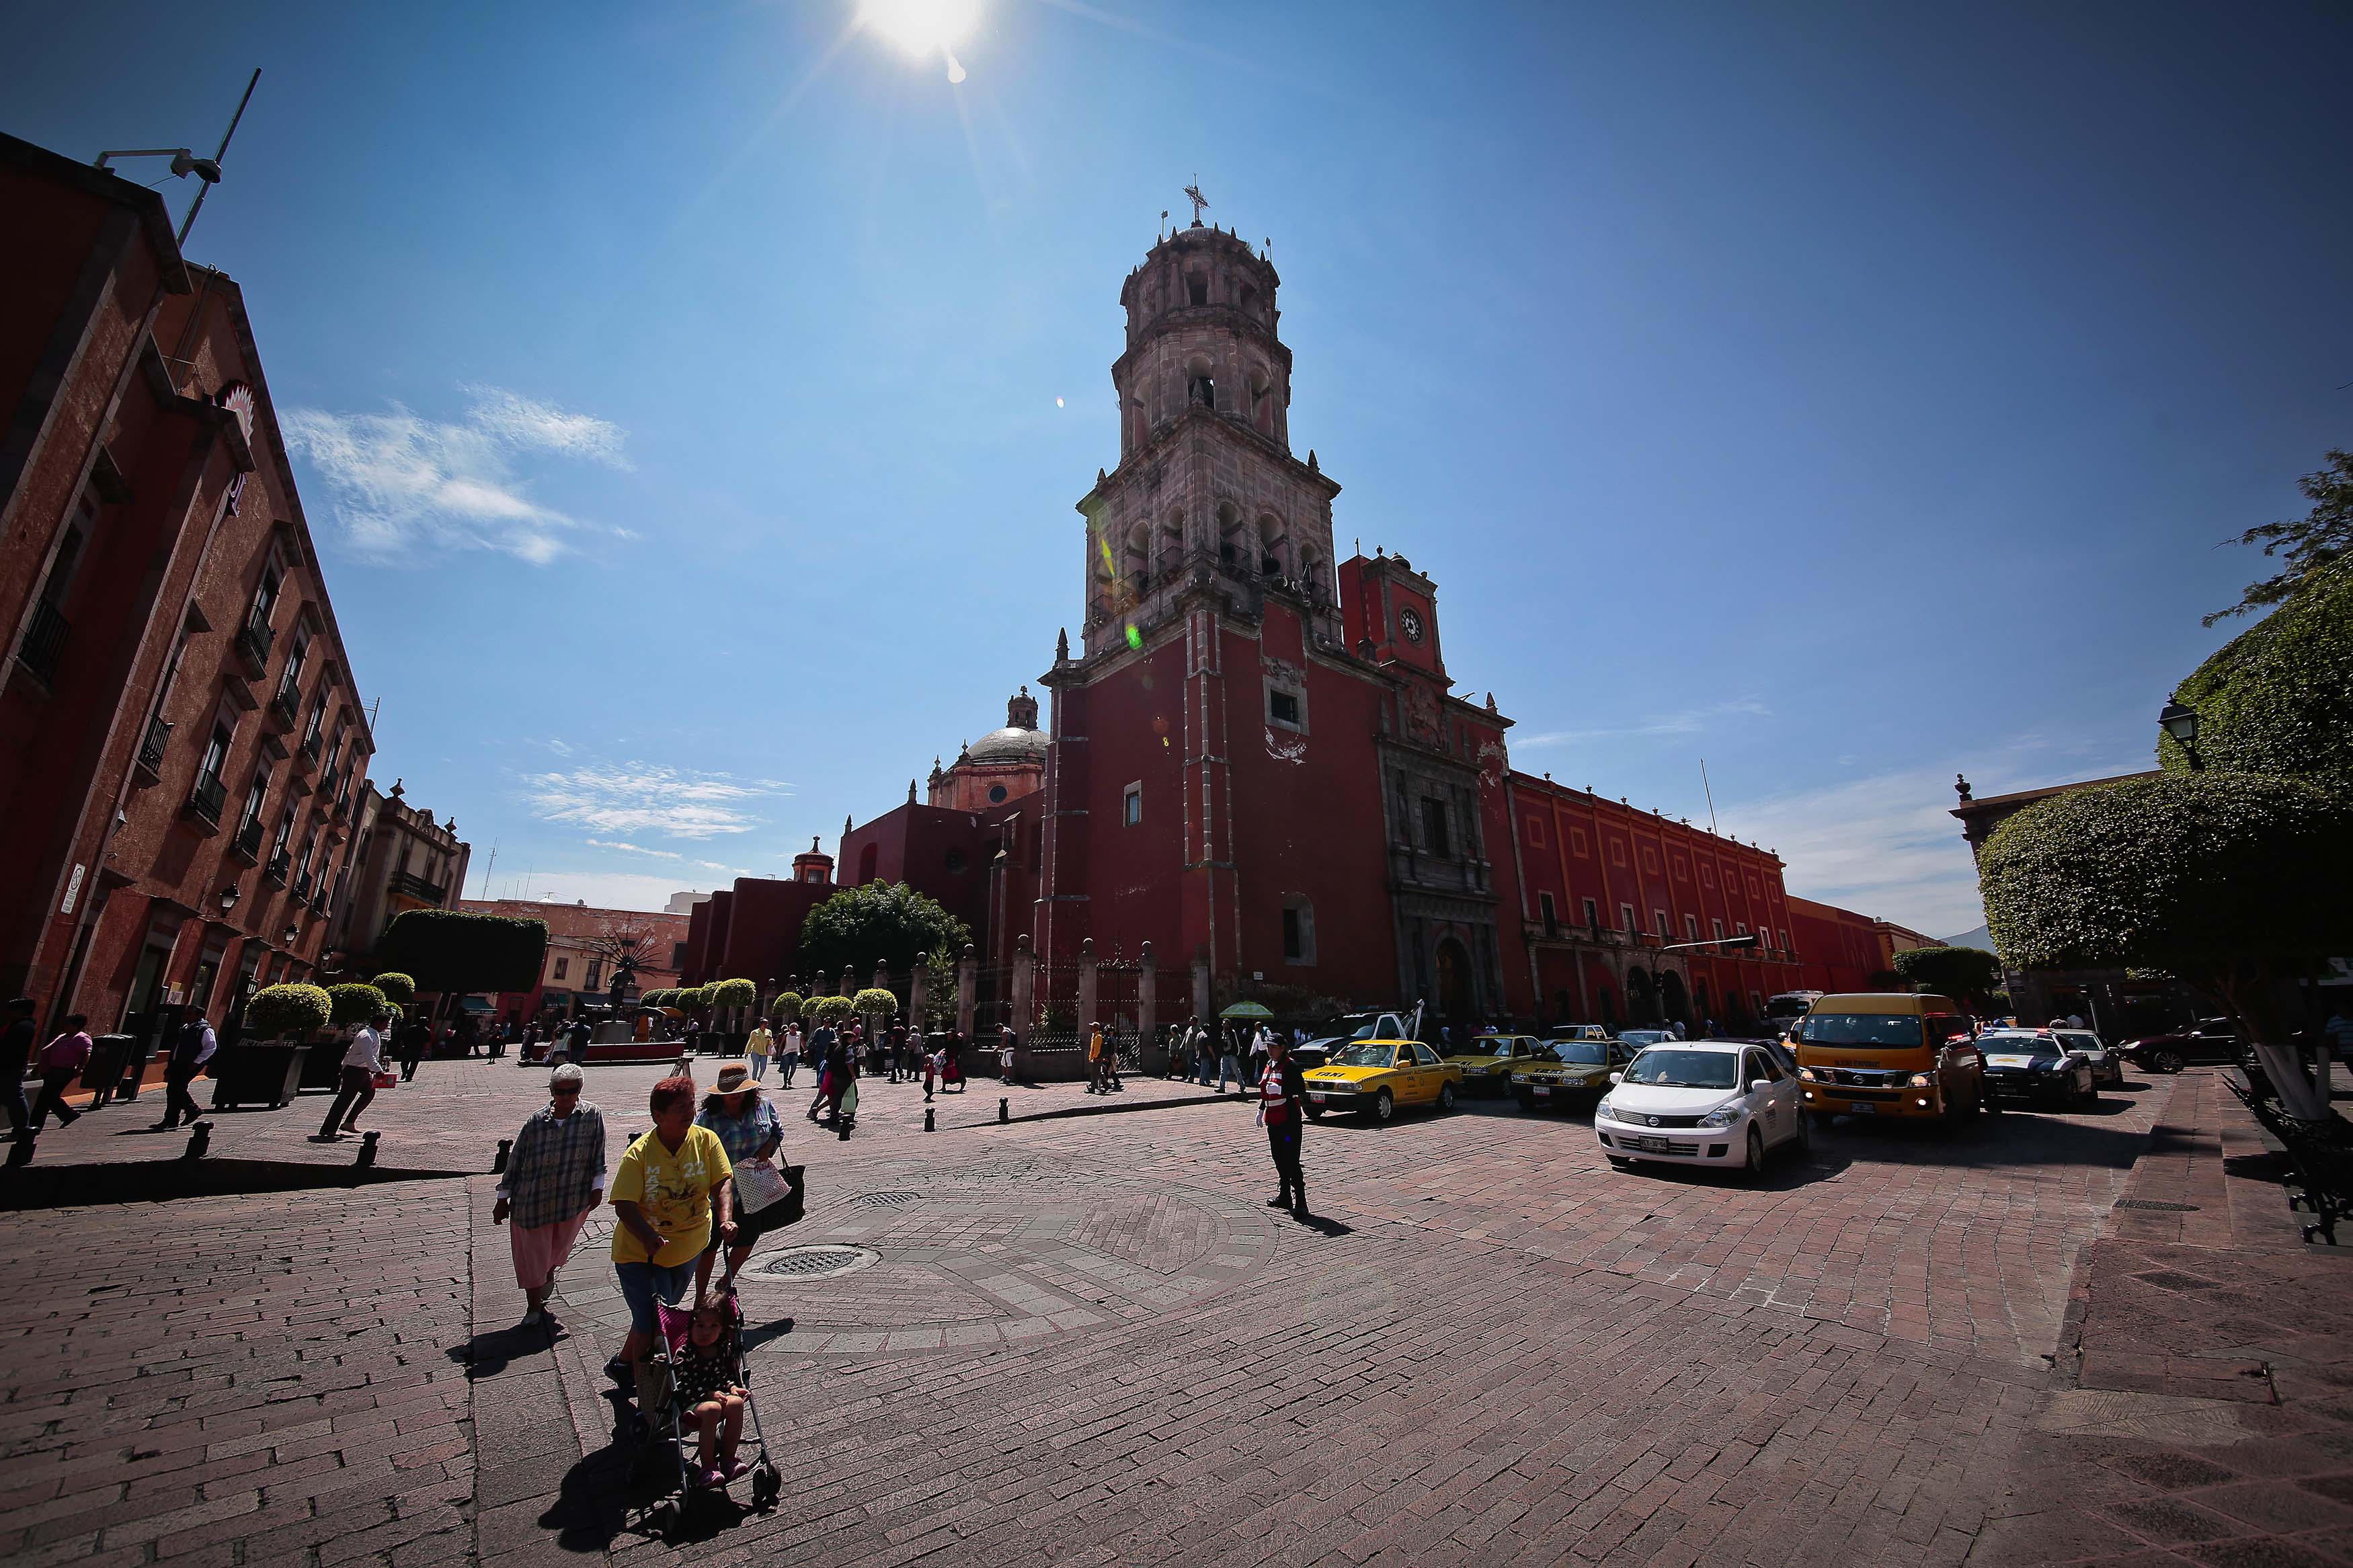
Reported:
(919, 26)
(1135, 638)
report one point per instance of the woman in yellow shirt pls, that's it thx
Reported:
(673, 1185)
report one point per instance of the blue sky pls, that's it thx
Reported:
(693, 398)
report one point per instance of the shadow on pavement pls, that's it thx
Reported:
(486, 1355)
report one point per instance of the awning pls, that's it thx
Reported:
(474, 1005)
(1246, 1010)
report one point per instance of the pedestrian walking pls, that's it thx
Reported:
(790, 1061)
(1095, 1071)
(670, 1190)
(192, 1049)
(554, 1180)
(412, 1035)
(1205, 1055)
(952, 1064)
(1282, 1103)
(1006, 1045)
(363, 1060)
(900, 1067)
(1678, 1028)
(749, 1129)
(757, 1047)
(16, 1056)
(61, 1061)
(1229, 1062)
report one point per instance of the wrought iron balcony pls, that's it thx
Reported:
(301, 886)
(151, 747)
(207, 799)
(313, 744)
(327, 781)
(44, 642)
(276, 869)
(411, 886)
(287, 706)
(247, 842)
(253, 645)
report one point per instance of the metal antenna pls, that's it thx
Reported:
(194, 208)
(1193, 194)
(491, 867)
(1710, 793)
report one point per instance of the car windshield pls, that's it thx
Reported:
(1364, 1057)
(1684, 1070)
(1581, 1053)
(1898, 1029)
(1645, 1037)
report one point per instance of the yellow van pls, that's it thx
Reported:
(1883, 1053)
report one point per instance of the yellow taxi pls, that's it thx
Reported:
(1373, 1077)
(1488, 1061)
(1568, 1071)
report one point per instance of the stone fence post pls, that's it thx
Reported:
(968, 988)
(1152, 1053)
(1024, 1016)
(1087, 987)
(918, 994)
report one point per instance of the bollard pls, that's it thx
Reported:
(1003, 1113)
(200, 1138)
(499, 1165)
(368, 1150)
(927, 1119)
(845, 1129)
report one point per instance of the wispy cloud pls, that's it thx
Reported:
(638, 849)
(644, 798)
(398, 480)
(1687, 722)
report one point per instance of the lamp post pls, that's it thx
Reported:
(1727, 942)
(2181, 721)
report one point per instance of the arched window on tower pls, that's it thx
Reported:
(1261, 400)
(1229, 536)
(1196, 285)
(865, 859)
(1139, 556)
(1250, 302)
(1172, 546)
(1140, 427)
(1272, 541)
(1311, 578)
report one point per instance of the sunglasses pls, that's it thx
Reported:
(564, 1091)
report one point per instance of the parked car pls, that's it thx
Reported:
(2037, 1064)
(1702, 1102)
(1637, 1038)
(1891, 1054)
(1487, 1060)
(2107, 1067)
(1375, 1077)
(1565, 1072)
(2207, 1040)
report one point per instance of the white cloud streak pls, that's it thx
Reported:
(643, 797)
(637, 850)
(398, 481)
(1688, 721)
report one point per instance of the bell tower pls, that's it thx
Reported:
(1207, 491)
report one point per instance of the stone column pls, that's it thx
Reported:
(1086, 985)
(1201, 1009)
(1152, 1051)
(881, 977)
(968, 985)
(918, 995)
(1025, 984)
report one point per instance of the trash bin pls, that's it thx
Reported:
(103, 1073)
(256, 1074)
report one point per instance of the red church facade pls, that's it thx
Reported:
(1258, 763)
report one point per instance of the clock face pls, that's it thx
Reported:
(1409, 622)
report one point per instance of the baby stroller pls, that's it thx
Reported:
(661, 1420)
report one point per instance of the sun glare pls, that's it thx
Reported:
(919, 26)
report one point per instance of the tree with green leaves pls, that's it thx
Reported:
(881, 923)
(2309, 542)
(1964, 973)
(396, 986)
(786, 1006)
(733, 994)
(288, 1012)
(354, 1004)
(455, 951)
(2233, 881)
(827, 1012)
(874, 1002)
(2278, 697)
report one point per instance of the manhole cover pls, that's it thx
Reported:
(2153, 1204)
(886, 1200)
(820, 1262)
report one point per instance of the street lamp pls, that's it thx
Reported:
(228, 897)
(2181, 721)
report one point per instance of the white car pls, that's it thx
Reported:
(1702, 1102)
(2107, 1065)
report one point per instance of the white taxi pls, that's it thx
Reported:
(1702, 1102)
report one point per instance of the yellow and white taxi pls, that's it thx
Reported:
(1487, 1060)
(1568, 1072)
(1373, 1077)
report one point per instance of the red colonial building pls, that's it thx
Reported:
(1258, 763)
(182, 743)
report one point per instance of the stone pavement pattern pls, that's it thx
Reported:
(1494, 1350)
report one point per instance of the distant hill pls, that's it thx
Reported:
(1977, 938)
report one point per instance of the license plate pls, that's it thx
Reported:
(1319, 1098)
(1540, 1089)
(1861, 1108)
(2008, 1061)
(1650, 1145)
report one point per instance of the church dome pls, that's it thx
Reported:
(1008, 745)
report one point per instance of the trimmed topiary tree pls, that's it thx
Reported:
(874, 1002)
(459, 950)
(786, 1006)
(396, 986)
(288, 1012)
(733, 994)
(2278, 697)
(2232, 882)
(1965, 974)
(828, 1012)
(354, 1004)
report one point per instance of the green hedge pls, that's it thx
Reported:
(287, 1011)
(459, 950)
(787, 1005)
(875, 1002)
(396, 986)
(354, 1004)
(830, 1010)
(733, 994)
(1960, 973)
(2278, 697)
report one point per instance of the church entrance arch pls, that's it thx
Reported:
(1453, 981)
(1671, 996)
(1641, 1002)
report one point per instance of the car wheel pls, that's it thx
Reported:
(1820, 1119)
(1528, 1103)
(1802, 1139)
(2089, 1098)
(1619, 1162)
(1445, 1097)
(1756, 1167)
(1314, 1111)
(1384, 1106)
(2168, 1060)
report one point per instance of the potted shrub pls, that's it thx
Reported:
(266, 1067)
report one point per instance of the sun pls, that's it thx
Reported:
(919, 26)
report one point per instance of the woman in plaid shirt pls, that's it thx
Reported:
(554, 1181)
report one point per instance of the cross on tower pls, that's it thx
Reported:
(1193, 194)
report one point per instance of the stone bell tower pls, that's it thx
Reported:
(1207, 490)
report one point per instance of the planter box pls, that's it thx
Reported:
(264, 1074)
(322, 1063)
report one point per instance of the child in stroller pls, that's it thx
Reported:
(709, 1394)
